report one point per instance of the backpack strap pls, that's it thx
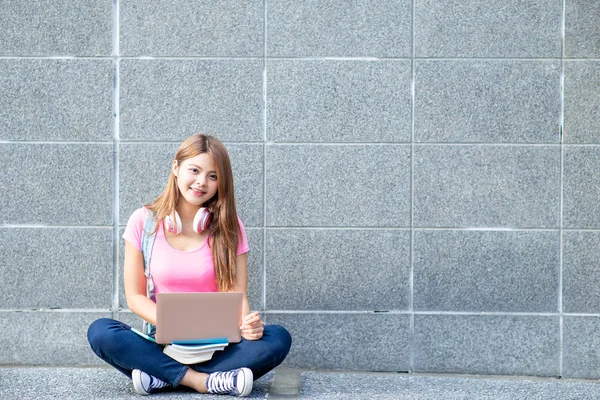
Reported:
(147, 245)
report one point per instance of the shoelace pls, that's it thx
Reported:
(222, 382)
(156, 383)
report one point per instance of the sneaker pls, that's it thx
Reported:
(144, 383)
(237, 382)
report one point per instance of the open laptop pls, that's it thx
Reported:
(197, 316)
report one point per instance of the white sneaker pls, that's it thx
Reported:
(237, 382)
(144, 383)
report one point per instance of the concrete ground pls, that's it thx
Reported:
(284, 383)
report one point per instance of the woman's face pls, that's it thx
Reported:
(197, 178)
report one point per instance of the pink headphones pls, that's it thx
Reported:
(201, 222)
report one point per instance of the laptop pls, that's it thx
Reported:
(189, 317)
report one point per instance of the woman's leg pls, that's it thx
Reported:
(226, 369)
(260, 356)
(115, 343)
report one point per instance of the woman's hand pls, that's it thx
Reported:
(252, 326)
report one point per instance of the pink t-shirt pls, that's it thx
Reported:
(175, 270)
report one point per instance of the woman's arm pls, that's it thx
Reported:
(252, 325)
(135, 284)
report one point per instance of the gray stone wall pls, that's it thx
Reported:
(419, 178)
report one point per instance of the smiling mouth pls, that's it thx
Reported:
(198, 192)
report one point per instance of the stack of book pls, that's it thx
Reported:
(192, 351)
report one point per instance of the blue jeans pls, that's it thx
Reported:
(115, 343)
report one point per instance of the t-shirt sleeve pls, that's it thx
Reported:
(243, 240)
(135, 226)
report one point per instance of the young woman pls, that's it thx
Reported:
(187, 259)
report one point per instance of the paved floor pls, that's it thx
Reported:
(284, 383)
(338, 385)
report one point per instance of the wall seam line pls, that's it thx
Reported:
(115, 227)
(321, 58)
(386, 144)
(561, 199)
(412, 195)
(264, 154)
(360, 312)
(429, 313)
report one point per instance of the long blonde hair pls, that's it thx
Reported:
(225, 229)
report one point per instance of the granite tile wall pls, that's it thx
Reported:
(418, 179)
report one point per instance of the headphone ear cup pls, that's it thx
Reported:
(202, 220)
(173, 226)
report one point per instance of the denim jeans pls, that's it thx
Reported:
(115, 343)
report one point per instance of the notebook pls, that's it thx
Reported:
(191, 317)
